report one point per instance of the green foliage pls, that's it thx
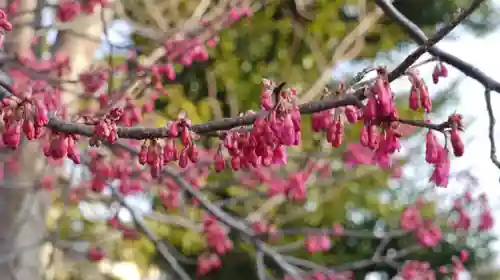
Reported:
(268, 45)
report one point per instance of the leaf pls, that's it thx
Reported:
(372, 201)
(147, 246)
(160, 229)
(236, 191)
(227, 46)
(314, 219)
(192, 242)
(160, 122)
(205, 108)
(178, 103)
(428, 210)
(384, 209)
(191, 111)
(85, 104)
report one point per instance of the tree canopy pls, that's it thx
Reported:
(328, 203)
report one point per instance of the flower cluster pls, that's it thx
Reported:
(69, 9)
(92, 81)
(464, 220)
(24, 112)
(419, 269)
(264, 144)
(317, 243)
(156, 155)
(426, 232)
(217, 240)
(255, 144)
(5, 26)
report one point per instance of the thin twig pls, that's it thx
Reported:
(162, 249)
(491, 128)
(419, 36)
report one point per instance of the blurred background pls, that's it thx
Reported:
(309, 44)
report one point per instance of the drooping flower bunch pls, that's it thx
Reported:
(23, 112)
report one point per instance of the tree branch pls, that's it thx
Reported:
(419, 36)
(162, 249)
